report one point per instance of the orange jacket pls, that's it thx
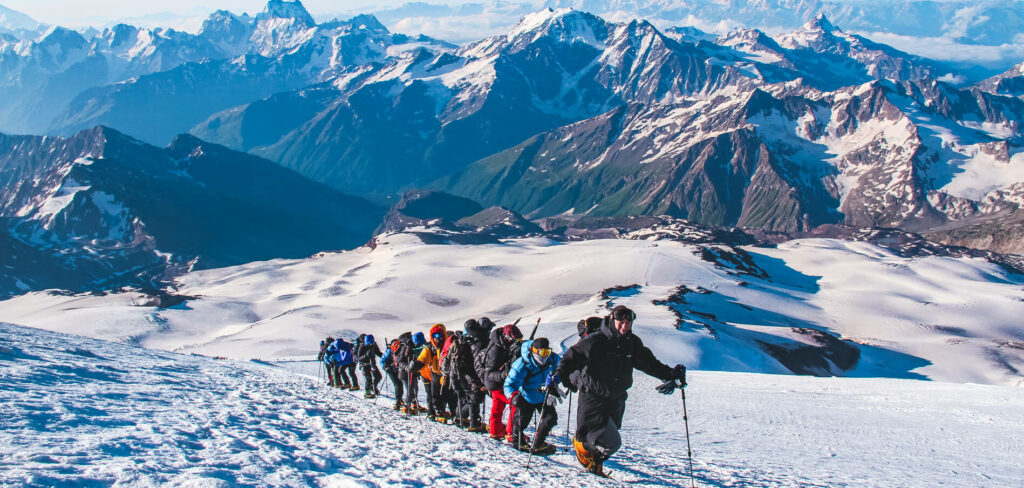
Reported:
(429, 356)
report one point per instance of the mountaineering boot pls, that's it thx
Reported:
(598, 469)
(589, 462)
(521, 444)
(353, 388)
(584, 457)
(545, 449)
(496, 437)
(398, 405)
(479, 428)
(369, 394)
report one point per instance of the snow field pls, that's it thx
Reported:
(83, 412)
(937, 318)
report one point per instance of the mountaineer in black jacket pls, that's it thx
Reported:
(600, 366)
(367, 354)
(473, 391)
(501, 351)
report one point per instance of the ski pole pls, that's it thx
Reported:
(686, 422)
(533, 445)
(568, 420)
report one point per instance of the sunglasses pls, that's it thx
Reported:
(542, 352)
(438, 335)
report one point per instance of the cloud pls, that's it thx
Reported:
(947, 49)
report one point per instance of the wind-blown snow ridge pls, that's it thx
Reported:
(711, 308)
(80, 411)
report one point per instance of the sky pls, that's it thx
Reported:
(75, 13)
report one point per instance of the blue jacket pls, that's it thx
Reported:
(345, 353)
(331, 357)
(527, 377)
(385, 360)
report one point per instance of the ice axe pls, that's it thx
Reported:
(538, 324)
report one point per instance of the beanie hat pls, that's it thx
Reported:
(541, 343)
(623, 313)
(486, 323)
(510, 331)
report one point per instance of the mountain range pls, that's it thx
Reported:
(157, 82)
(567, 116)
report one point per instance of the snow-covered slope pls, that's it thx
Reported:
(79, 411)
(809, 306)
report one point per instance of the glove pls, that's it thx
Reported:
(555, 397)
(571, 382)
(680, 374)
(553, 379)
(667, 387)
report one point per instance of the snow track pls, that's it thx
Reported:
(83, 412)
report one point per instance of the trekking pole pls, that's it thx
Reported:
(533, 444)
(568, 420)
(686, 422)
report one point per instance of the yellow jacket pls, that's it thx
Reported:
(429, 354)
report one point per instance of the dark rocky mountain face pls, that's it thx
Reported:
(100, 210)
(441, 218)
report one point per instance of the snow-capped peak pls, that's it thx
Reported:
(282, 9)
(817, 34)
(565, 23)
(367, 22)
(820, 23)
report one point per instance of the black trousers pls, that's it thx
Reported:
(371, 375)
(350, 370)
(442, 399)
(399, 384)
(524, 414)
(598, 421)
(412, 387)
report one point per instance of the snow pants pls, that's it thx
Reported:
(412, 387)
(371, 376)
(524, 414)
(470, 401)
(598, 421)
(498, 403)
(443, 397)
(340, 376)
(399, 384)
(347, 373)
(350, 370)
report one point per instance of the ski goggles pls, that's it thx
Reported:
(541, 352)
(438, 335)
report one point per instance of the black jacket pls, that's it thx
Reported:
(602, 363)
(497, 358)
(479, 347)
(367, 354)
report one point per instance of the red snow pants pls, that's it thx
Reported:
(497, 427)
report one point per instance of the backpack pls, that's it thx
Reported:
(358, 345)
(449, 362)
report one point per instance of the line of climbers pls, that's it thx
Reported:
(460, 369)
